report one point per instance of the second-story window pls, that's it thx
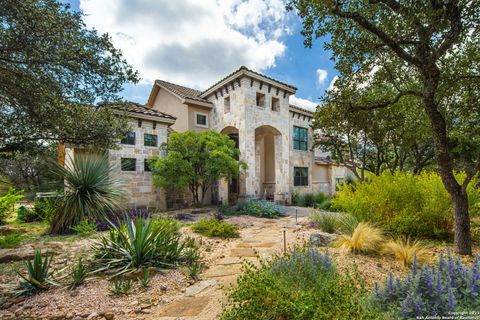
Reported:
(275, 104)
(150, 140)
(260, 100)
(226, 104)
(201, 119)
(129, 138)
(300, 138)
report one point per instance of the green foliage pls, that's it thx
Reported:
(7, 203)
(196, 160)
(261, 208)
(403, 203)
(92, 189)
(347, 223)
(24, 214)
(85, 227)
(303, 284)
(45, 209)
(325, 221)
(145, 279)
(78, 274)
(143, 243)
(313, 200)
(214, 228)
(39, 276)
(194, 269)
(121, 287)
(52, 68)
(11, 240)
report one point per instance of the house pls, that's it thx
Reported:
(275, 140)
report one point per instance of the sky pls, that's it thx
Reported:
(197, 42)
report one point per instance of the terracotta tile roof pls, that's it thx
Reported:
(183, 92)
(254, 72)
(139, 108)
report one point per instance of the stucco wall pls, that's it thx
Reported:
(168, 103)
(192, 111)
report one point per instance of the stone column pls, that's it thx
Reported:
(247, 154)
(223, 191)
(282, 172)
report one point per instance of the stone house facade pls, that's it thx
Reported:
(275, 140)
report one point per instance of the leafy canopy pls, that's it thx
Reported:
(196, 160)
(51, 68)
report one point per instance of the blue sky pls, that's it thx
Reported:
(195, 43)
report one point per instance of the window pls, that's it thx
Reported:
(300, 138)
(260, 100)
(201, 119)
(275, 104)
(150, 140)
(129, 138)
(300, 176)
(146, 165)
(226, 104)
(129, 164)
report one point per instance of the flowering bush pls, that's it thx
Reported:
(303, 284)
(261, 208)
(432, 290)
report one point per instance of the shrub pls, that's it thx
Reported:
(431, 291)
(303, 284)
(297, 199)
(405, 251)
(45, 209)
(347, 223)
(142, 243)
(78, 274)
(92, 189)
(85, 227)
(365, 238)
(7, 203)
(261, 208)
(39, 276)
(404, 204)
(308, 199)
(325, 221)
(11, 240)
(214, 228)
(24, 214)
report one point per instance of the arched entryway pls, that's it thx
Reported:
(267, 144)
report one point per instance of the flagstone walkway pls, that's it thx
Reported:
(204, 300)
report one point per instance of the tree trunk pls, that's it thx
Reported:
(458, 194)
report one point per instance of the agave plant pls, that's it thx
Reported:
(39, 276)
(141, 243)
(92, 190)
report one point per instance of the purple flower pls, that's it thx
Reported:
(451, 299)
(418, 308)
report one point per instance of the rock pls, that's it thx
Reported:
(145, 306)
(199, 287)
(92, 316)
(18, 312)
(59, 316)
(109, 316)
(322, 239)
(163, 288)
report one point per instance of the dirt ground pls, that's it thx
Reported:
(172, 294)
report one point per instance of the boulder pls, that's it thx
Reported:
(322, 239)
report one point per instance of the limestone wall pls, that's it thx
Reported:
(138, 184)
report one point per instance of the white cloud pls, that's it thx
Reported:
(332, 83)
(191, 42)
(303, 103)
(322, 76)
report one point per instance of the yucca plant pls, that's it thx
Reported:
(92, 190)
(145, 279)
(365, 238)
(140, 243)
(405, 251)
(39, 276)
(121, 287)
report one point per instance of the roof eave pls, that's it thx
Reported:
(137, 115)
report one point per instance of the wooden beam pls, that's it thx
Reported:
(269, 88)
(261, 85)
(251, 82)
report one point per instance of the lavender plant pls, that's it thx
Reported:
(431, 290)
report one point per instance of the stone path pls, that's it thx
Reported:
(204, 299)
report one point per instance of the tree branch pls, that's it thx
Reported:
(386, 103)
(455, 17)
(471, 174)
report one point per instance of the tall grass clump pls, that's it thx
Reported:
(406, 251)
(364, 239)
(434, 291)
(303, 284)
(142, 243)
(325, 221)
(92, 189)
(404, 204)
